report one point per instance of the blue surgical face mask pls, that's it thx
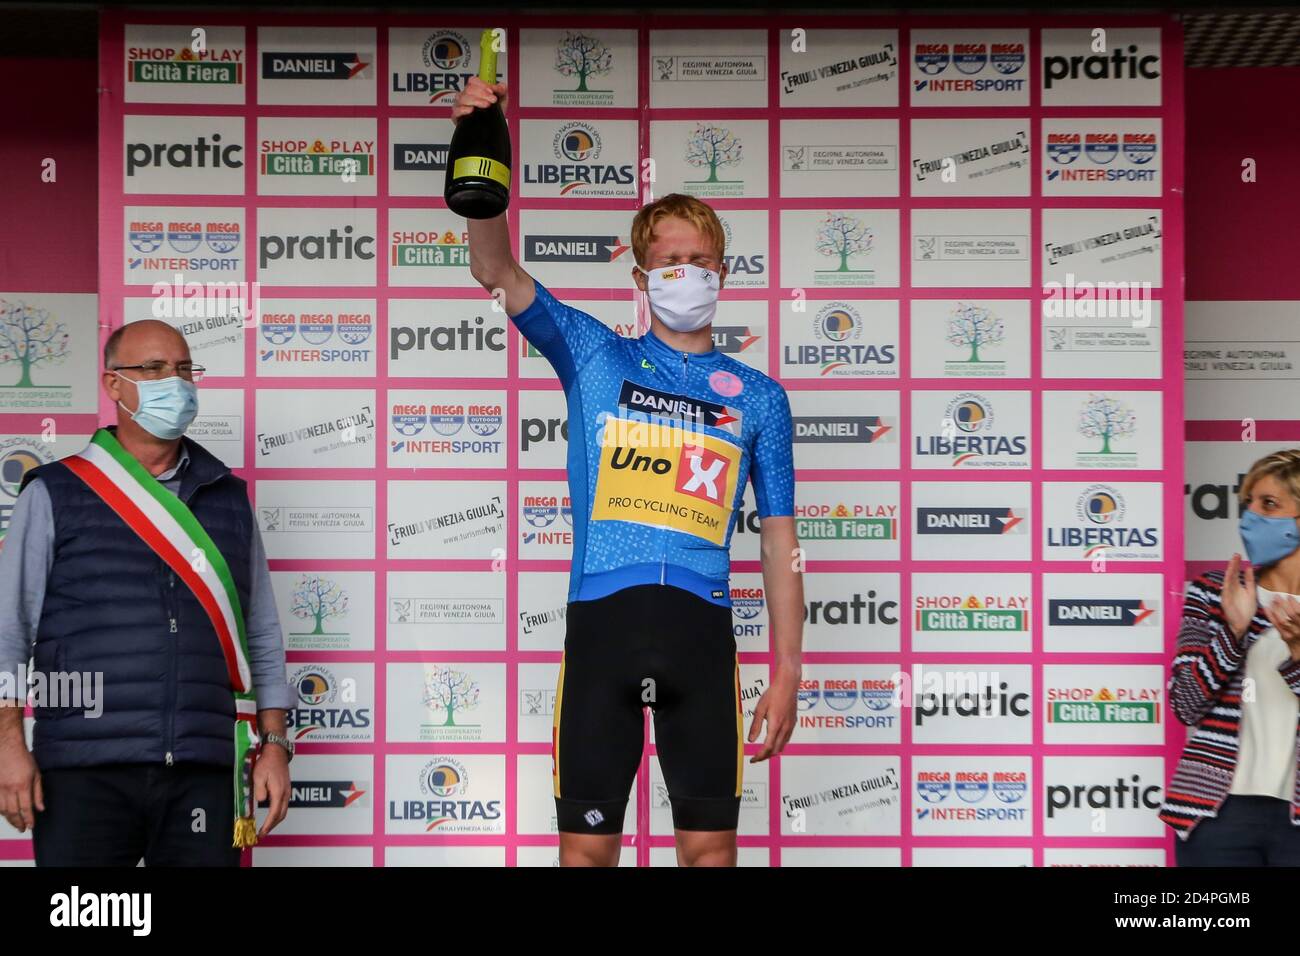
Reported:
(167, 405)
(1268, 540)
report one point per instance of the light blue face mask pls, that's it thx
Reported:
(1268, 540)
(167, 405)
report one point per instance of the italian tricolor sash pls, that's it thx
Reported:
(169, 528)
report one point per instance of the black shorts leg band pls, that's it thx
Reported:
(589, 816)
(696, 813)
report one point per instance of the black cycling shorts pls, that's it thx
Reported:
(650, 645)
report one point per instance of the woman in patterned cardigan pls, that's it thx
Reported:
(1236, 680)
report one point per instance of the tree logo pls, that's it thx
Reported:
(1105, 418)
(713, 147)
(449, 691)
(317, 599)
(972, 327)
(840, 236)
(582, 56)
(29, 338)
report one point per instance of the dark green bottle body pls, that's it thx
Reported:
(478, 165)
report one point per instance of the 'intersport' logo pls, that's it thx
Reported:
(214, 66)
(574, 248)
(950, 614)
(324, 65)
(956, 67)
(971, 787)
(1100, 612)
(317, 157)
(317, 330)
(1099, 150)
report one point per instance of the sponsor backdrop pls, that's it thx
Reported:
(918, 214)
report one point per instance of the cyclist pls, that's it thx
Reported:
(664, 432)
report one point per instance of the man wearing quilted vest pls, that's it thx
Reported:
(134, 582)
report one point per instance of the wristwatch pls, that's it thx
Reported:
(273, 738)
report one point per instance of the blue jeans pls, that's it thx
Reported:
(1248, 831)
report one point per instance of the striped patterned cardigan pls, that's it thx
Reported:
(1205, 692)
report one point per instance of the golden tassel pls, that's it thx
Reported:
(245, 833)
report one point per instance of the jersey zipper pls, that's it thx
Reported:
(663, 562)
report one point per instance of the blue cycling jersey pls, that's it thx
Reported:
(661, 443)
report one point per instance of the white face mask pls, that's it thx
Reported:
(685, 297)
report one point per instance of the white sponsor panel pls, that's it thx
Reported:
(845, 158)
(972, 703)
(543, 428)
(970, 157)
(1097, 343)
(313, 857)
(1243, 373)
(329, 338)
(537, 696)
(19, 454)
(841, 856)
(715, 158)
(1121, 247)
(542, 610)
(1104, 704)
(437, 338)
(972, 856)
(578, 68)
(740, 330)
(839, 338)
(191, 155)
(48, 352)
(428, 247)
(845, 520)
(983, 520)
(688, 67)
(949, 67)
(444, 701)
(987, 430)
(1111, 521)
(199, 243)
(591, 251)
(1111, 613)
(836, 248)
(1102, 157)
(163, 66)
(417, 155)
(429, 66)
(840, 796)
(435, 793)
(849, 704)
(1103, 796)
(970, 338)
(970, 247)
(1103, 429)
(446, 611)
(830, 67)
(1104, 856)
(316, 157)
(1126, 72)
(972, 613)
(985, 795)
(446, 519)
(545, 520)
(445, 856)
(445, 428)
(578, 157)
(316, 66)
(326, 610)
(317, 247)
(315, 428)
(858, 429)
(336, 702)
(316, 519)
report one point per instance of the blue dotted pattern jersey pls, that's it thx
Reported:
(661, 444)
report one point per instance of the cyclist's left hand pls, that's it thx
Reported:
(777, 707)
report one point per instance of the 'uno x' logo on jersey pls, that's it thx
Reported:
(702, 473)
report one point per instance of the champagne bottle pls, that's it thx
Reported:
(478, 160)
